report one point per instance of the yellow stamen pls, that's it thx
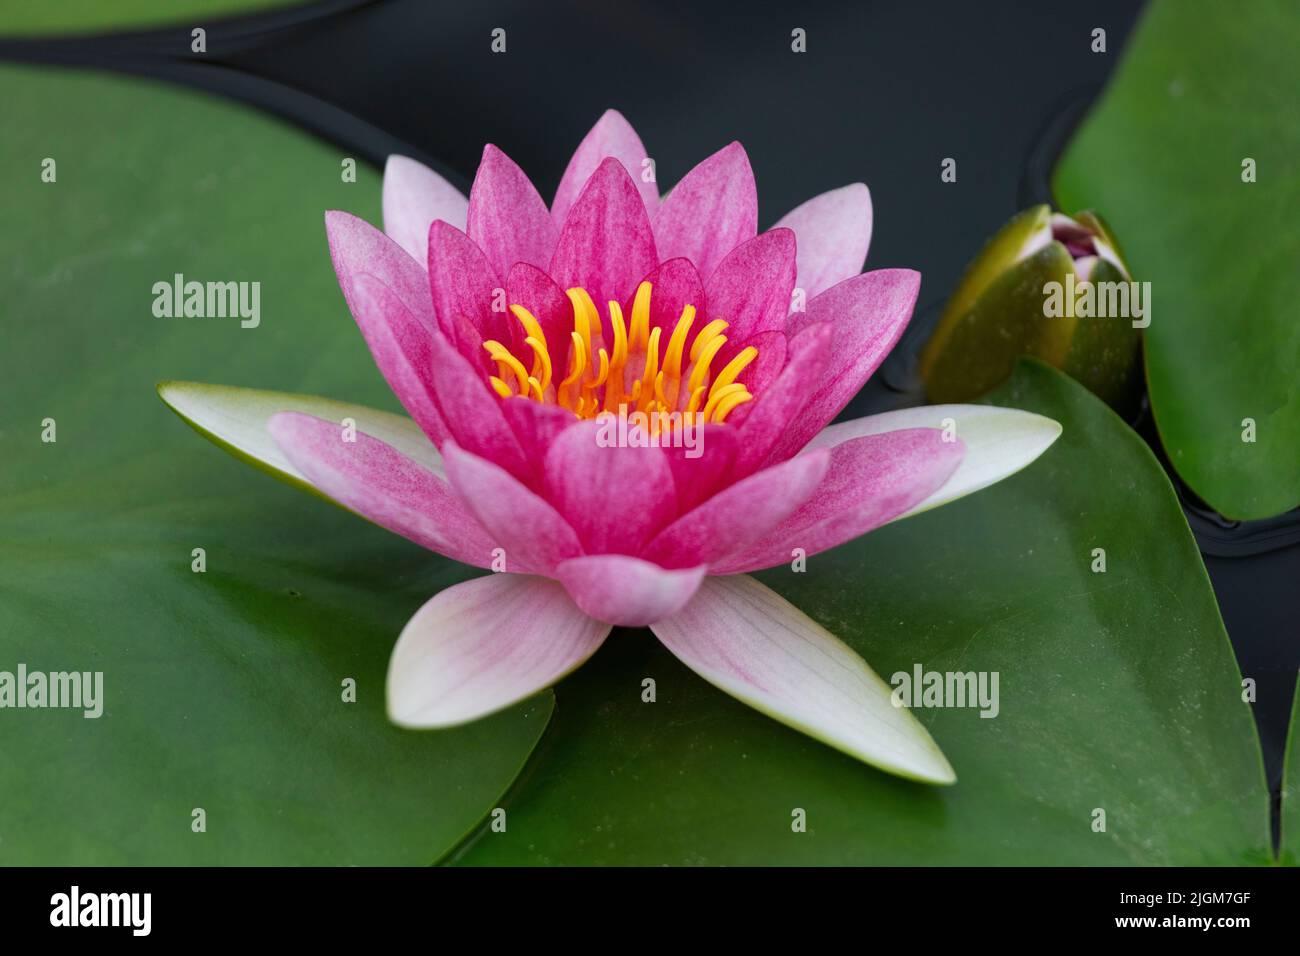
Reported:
(620, 333)
(717, 395)
(541, 360)
(533, 329)
(714, 328)
(705, 358)
(660, 398)
(614, 386)
(697, 397)
(640, 316)
(581, 318)
(727, 404)
(505, 361)
(599, 380)
(651, 367)
(732, 369)
(592, 384)
(579, 354)
(673, 358)
(631, 370)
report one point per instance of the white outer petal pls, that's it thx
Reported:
(485, 644)
(236, 419)
(413, 197)
(749, 641)
(999, 442)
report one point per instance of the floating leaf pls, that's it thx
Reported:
(223, 689)
(1205, 94)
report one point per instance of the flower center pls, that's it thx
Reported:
(629, 370)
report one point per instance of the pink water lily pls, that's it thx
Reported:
(514, 333)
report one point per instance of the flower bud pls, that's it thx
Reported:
(1049, 286)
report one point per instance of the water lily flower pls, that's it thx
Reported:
(514, 332)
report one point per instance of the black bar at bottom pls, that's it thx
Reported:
(437, 906)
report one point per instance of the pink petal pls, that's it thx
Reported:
(536, 424)
(615, 497)
(472, 410)
(508, 220)
(751, 286)
(483, 645)
(606, 245)
(358, 248)
(463, 286)
(740, 515)
(700, 471)
(400, 346)
(627, 591)
(414, 196)
(869, 313)
(870, 481)
(612, 136)
(535, 537)
(537, 292)
(753, 644)
(674, 285)
(760, 373)
(768, 415)
(834, 231)
(711, 211)
(381, 484)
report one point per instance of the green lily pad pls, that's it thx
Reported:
(223, 690)
(1203, 87)
(1118, 692)
(93, 16)
(1291, 789)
